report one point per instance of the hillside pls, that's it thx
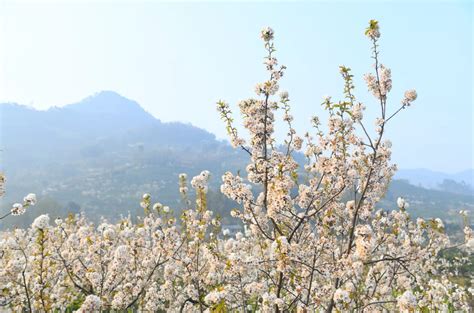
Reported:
(461, 182)
(101, 154)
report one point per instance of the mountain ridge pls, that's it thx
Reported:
(75, 157)
(434, 179)
(103, 116)
(105, 106)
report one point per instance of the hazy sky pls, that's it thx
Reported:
(177, 59)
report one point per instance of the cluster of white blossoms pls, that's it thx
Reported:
(20, 208)
(41, 222)
(469, 238)
(91, 304)
(108, 267)
(313, 239)
(407, 302)
(402, 203)
(30, 199)
(379, 85)
(201, 181)
(409, 97)
(17, 209)
(342, 296)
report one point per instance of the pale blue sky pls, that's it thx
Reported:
(177, 59)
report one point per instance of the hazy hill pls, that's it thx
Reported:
(438, 180)
(100, 154)
(103, 120)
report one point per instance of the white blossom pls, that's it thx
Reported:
(41, 222)
(407, 301)
(409, 97)
(402, 204)
(267, 34)
(91, 304)
(18, 209)
(30, 199)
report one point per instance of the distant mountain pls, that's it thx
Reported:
(428, 202)
(461, 182)
(93, 124)
(101, 154)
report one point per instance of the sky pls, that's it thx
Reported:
(178, 58)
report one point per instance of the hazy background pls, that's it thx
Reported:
(88, 93)
(177, 59)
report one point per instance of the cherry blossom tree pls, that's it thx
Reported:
(313, 240)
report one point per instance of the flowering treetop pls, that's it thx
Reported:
(313, 239)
